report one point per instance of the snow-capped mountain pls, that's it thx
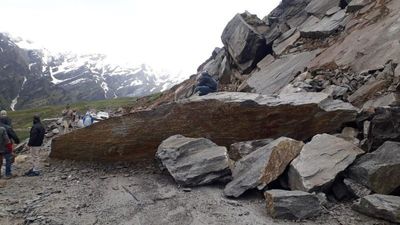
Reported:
(31, 76)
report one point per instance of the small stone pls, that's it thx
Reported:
(186, 189)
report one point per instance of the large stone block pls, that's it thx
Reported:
(320, 161)
(379, 170)
(224, 118)
(262, 166)
(193, 161)
(239, 150)
(380, 206)
(292, 205)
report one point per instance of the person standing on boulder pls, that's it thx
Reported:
(4, 118)
(67, 114)
(34, 145)
(205, 84)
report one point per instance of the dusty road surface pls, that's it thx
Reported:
(87, 194)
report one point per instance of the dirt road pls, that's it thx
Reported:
(86, 193)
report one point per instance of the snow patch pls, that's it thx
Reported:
(15, 100)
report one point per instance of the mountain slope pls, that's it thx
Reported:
(32, 77)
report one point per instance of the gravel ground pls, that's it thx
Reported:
(87, 193)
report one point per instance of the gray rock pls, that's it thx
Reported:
(332, 11)
(55, 131)
(320, 161)
(239, 150)
(262, 166)
(367, 91)
(193, 161)
(379, 170)
(336, 91)
(390, 99)
(380, 206)
(320, 7)
(225, 72)
(315, 28)
(385, 126)
(292, 205)
(273, 76)
(244, 43)
(356, 189)
(285, 41)
(356, 5)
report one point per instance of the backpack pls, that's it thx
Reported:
(87, 120)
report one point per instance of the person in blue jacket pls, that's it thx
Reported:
(205, 84)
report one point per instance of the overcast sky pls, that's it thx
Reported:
(171, 35)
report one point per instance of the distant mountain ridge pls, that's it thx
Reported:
(31, 76)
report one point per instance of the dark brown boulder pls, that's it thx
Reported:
(224, 118)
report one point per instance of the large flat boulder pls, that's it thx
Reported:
(292, 205)
(273, 76)
(262, 166)
(386, 207)
(384, 126)
(320, 7)
(379, 170)
(244, 43)
(224, 118)
(193, 161)
(320, 161)
(314, 28)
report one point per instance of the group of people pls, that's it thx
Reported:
(72, 119)
(8, 138)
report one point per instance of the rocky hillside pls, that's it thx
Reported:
(32, 77)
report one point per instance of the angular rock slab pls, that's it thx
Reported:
(320, 161)
(386, 207)
(292, 205)
(314, 28)
(262, 166)
(239, 150)
(244, 43)
(193, 161)
(320, 7)
(224, 118)
(379, 170)
(384, 126)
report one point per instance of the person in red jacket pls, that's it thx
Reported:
(35, 143)
(6, 152)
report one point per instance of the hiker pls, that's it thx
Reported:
(205, 84)
(67, 114)
(88, 119)
(5, 152)
(4, 118)
(34, 145)
(10, 132)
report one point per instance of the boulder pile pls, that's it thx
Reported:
(308, 107)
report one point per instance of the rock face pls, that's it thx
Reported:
(379, 170)
(320, 161)
(241, 149)
(292, 205)
(385, 126)
(224, 118)
(193, 161)
(262, 166)
(244, 43)
(381, 206)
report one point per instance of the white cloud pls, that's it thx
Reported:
(174, 35)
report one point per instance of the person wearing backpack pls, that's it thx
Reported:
(205, 84)
(35, 142)
(5, 152)
(4, 118)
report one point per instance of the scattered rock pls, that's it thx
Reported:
(379, 170)
(292, 205)
(239, 150)
(366, 92)
(321, 7)
(193, 161)
(356, 189)
(315, 28)
(385, 126)
(262, 166)
(380, 206)
(356, 5)
(320, 161)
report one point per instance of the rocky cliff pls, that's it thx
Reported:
(32, 77)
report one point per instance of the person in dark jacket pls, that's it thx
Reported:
(35, 143)
(4, 118)
(10, 132)
(5, 152)
(205, 84)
